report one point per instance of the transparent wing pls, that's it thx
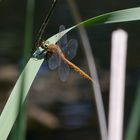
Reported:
(54, 61)
(63, 71)
(70, 49)
(63, 41)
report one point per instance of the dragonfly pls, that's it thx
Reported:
(59, 55)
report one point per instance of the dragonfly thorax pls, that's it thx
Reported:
(49, 47)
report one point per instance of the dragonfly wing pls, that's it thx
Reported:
(63, 71)
(71, 49)
(63, 41)
(54, 61)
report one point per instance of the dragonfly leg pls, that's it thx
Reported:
(39, 53)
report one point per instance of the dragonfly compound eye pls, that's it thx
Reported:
(44, 45)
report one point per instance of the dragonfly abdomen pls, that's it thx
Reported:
(77, 69)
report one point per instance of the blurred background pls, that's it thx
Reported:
(65, 110)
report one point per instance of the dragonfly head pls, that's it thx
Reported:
(41, 50)
(44, 45)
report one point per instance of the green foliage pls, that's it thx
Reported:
(10, 111)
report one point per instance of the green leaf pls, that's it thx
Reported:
(19, 130)
(134, 120)
(9, 113)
